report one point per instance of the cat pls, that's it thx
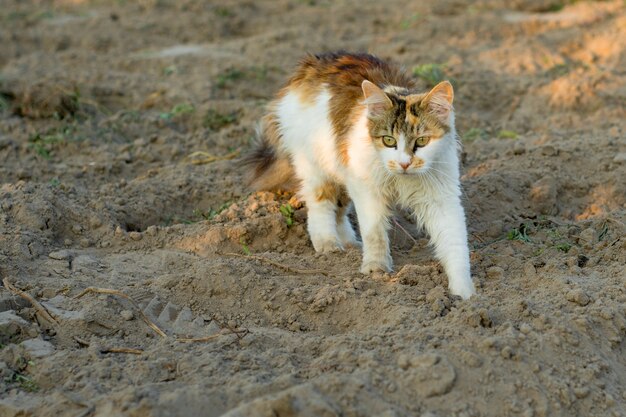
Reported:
(351, 128)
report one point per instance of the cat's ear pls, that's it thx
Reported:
(439, 101)
(377, 101)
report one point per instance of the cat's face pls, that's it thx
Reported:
(407, 129)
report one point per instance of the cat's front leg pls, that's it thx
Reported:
(445, 222)
(373, 215)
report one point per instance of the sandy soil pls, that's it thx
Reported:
(102, 106)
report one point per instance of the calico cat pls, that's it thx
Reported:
(351, 128)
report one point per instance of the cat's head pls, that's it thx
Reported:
(408, 129)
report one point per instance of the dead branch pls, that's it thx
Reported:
(208, 158)
(36, 304)
(277, 264)
(145, 318)
(397, 223)
(110, 349)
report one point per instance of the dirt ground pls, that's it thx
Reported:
(103, 108)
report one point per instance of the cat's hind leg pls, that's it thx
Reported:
(320, 195)
(347, 236)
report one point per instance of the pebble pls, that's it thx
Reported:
(127, 315)
(620, 158)
(581, 392)
(77, 229)
(506, 352)
(578, 296)
(151, 230)
(525, 328)
(60, 255)
(519, 148)
(135, 235)
(549, 150)
(37, 348)
(495, 272)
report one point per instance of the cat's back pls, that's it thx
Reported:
(343, 72)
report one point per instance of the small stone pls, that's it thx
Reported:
(495, 272)
(135, 235)
(67, 242)
(151, 230)
(119, 231)
(127, 315)
(581, 392)
(77, 229)
(404, 361)
(549, 150)
(620, 158)
(12, 327)
(519, 148)
(37, 348)
(60, 255)
(578, 296)
(506, 352)
(525, 328)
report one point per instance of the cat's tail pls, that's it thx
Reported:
(269, 168)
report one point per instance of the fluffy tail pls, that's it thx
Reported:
(268, 167)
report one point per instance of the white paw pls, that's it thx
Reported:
(326, 245)
(464, 289)
(371, 267)
(351, 243)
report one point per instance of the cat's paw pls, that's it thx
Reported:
(326, 245)
(372, 267)
(351, 243)
(465, 289)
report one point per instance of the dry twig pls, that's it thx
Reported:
(36, 304)
(208, 158)
(145, 318)
(277, 264)
(111, 349)
(397, 223)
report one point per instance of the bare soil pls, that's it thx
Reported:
(103, 105)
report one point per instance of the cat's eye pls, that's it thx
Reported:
(421, 142)
(389, 141)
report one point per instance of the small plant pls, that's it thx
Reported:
(215, 120)
(474, 133)
(225, 78)
(54, 182)
(223, 12)
(42, 143)
(519, 233)
(431, 73)
(563, 246)
(24, 382)
(287, 211)
(408, 22)
(603, 232)
(170, 69)
(507, 134)
(244, 248)
(177, 110)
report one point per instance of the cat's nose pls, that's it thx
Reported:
(404, 165)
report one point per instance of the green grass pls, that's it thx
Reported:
(474, 133)
(287, 211)
(433, 74)
(563, 246)
(507, 134)
(24, 382)
(519, 233)
(214, 120)
(408, 22)
(228, 76)
(244, 248)
(178, 110)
